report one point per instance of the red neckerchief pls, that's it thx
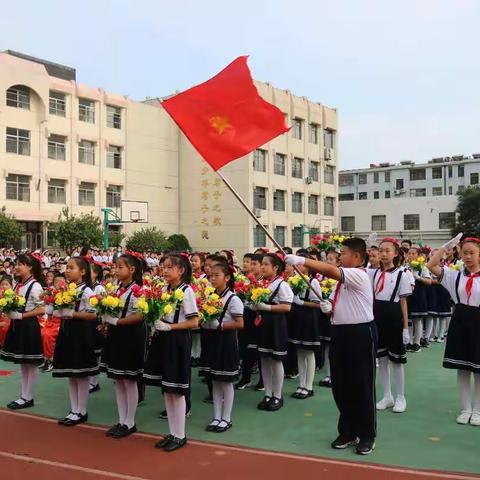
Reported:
(469, 285)
(381, 280)
(122, 290)
(18, 286)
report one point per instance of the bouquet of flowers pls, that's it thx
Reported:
(454, 266)
(418, 264)
(259, 293)
(324, 242)
(297, 284)
(11, 301)
(328, 286)
(211, 306)
(155, 303)
(65, 299)
(242, 286)
(110, 304)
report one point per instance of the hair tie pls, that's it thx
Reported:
(184, 255)
(281, 256)
(391, 240)
(37, 257)
(137, 255)
(471, 239)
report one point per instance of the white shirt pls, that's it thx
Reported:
(132, 304)
(284, 294)
(310, 296)
(188, 306)
(448, 279)
(99, 289)
(389, 283)
(84, 305)
(354, 301)
(234, 309)
(34, 300)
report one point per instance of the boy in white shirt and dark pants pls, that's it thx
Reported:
(353, 346)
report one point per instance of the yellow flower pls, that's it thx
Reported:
(3, 302)
(179, 294)
(214, 297)
(93, 301)
(9, 292)
(109, 287)
(21, 301)
(67, 298)
(211, 310)
(167, 309)
(414, 263)
(165, 297)
(58, 300)
(209, 290)
(142, 305)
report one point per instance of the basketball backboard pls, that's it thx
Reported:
(134, 212)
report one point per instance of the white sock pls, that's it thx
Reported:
(442, 327)
(179, 410)
(167, 397)
(82, 395)
(277, 378)
(310, 374)
(122, 405)
(428, 327)
(448, 323)
(31, 381)
(73, 393)
(24, 383)
(131, 391)
(435, 327)
(267, 375)
(217, 393)
(399, 372)
(410, 329)
(228, 396)
(384, 365)
(196, 348)
(326, 365)
(418, 330)
(302, 367)
(464, 389)
(93, 380)
(476, 405)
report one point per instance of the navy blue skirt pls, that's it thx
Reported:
(304, 327)
(23, 342)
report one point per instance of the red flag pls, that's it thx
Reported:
(225, 118)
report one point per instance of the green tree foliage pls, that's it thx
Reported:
(148, 239)
(179, 243)
(468, 212)
(10, 230)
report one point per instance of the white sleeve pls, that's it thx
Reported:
(316, 287)
(425, 273)
(353, 277)
(189, 303)
(85, 302)
(36, 295)
(285, 294)
(405, 287)
(448, 279)
(236, 307)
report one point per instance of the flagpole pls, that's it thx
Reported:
(267, 233)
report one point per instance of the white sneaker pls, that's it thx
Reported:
(400, 405)
(384, 403)
(464, 417)
(475, 419)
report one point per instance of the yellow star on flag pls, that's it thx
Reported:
(220, 124)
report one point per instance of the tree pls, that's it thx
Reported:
(148, 239)
(10, 230)
(468, 212)
(115, 238)
(72, 231)
(179, 243)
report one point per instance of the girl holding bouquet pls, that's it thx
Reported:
(168, 360)
(23, 342)
(123, 354)
(74, 355)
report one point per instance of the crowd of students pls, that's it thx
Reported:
(386, 302)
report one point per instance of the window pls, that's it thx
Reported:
(18, 96)
(417, 174)
(279, 235)
(297, 202)
(418, 192)
(362, 178)
(461, 188)
(86, 110)
(376, 195)
(461, 171)
(56, 147)
(450, 190)
(473, 178)
(387, 193)
(18, 188)
(450, 171)
(313, 133)
(329, 138)
(329, 206)
(347, 224)
(114, 196)
(114, 117)
(345, 180)
(259, 198)
(86, 194)
(313, 204)
(57, 105)
(297, 237)
(437, 191)
(51, 240)
(86, 152)
(114, 157)
(446, 220)
(379, 223)
(343, 197)
(313, 171)
(297, 167)
(279, 200)
(279, 164)
(18, 141)
(259, 237)
(329, 174)
(56, 191)
(362, 196)
(399, 184)
(297, 127)
(437, 172)
(259, 160)
(375, 177)
(387, 177)
(411, 221)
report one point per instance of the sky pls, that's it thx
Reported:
(403, 74)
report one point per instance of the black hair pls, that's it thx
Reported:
(84, 251)
(357, 245)
(374, 247)
(7, 278)
(200, 256)
(85, 266)
(257, 257)
(229, 256)
(34, 264)
(182, 261)
(58, 275)
(276, 262)
(227, 271)
(217, 259)
(302, 251)
(406, 240)
(287, 250)
(98, 271)
(137, 263)
(249, 255)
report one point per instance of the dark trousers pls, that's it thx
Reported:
(352, 363)
(251, 357)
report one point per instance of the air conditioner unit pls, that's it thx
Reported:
(309, 180)
(257, 212)
(397, 192)
(328, 153)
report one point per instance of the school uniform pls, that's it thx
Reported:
(388, 287)
(272, 328)
(352, 354)
(305, 323)
(443, 300)
(220, 360)
(418, 301)
(74, 354)
(125, 346)
(462, 351)
(168, 360)
(23, 341)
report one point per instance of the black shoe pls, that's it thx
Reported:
(123, 431)
(416, 348)
(213, 425)
(44, 366)
(274, 404)
(208, 399)
(94, 388)
(342, 442)
(291, 376)
(426, 343)
(422, 342)
(195, 362)
(365, 447)
(82, 418)
(297, 392)
(243, 384)
(305, 394)
(66, 421)
(161, 443)
(259, 386)
(163, 415)
(326, 382)
(263, 404)
(110, 432)
(20, 406)
(409, 347)
(174, 444)
(223, 427)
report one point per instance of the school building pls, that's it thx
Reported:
(67, 145)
